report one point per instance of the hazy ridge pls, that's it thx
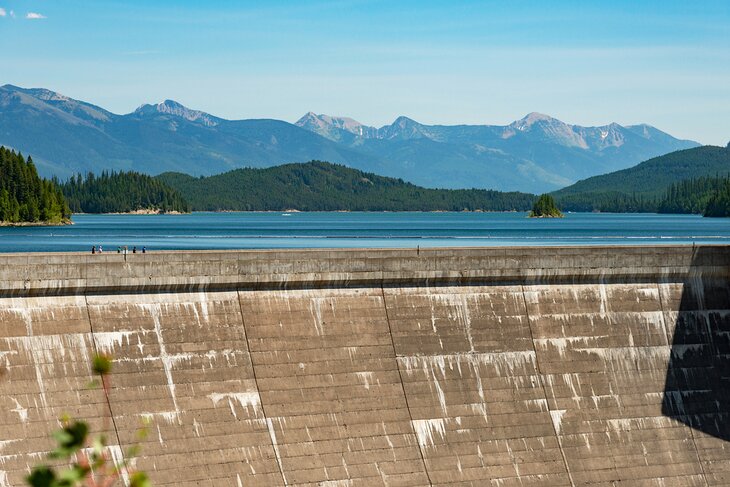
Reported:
(534, 154)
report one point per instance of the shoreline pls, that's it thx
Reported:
(136, 212)
(300, 211)
(36, 224)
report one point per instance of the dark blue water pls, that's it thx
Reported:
(302, 230)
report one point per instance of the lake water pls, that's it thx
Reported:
(312, 230)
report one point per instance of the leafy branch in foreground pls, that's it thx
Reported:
(89, 458)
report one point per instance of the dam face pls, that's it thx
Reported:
(496, 366)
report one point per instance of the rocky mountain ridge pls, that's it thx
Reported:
(535, 154)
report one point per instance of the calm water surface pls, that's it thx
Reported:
(302, 230)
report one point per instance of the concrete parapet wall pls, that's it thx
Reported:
(172, 270)
(596, 366)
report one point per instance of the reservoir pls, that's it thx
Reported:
(254, 230)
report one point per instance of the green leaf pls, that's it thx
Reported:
(133, 451)
(97, 445)
(42, 476)
(70, 439)
(102, 364)
(73, 475)
(139, 479)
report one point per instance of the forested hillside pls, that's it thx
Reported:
(657, 174)
(321, 186)
(121, 192)
(644, 188)
(692, 195)
(24, 196)
(719, 203)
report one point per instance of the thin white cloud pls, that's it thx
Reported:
(3, 13)
(34, 16)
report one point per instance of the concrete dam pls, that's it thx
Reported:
(571, 366)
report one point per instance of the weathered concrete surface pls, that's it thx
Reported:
(498, 366)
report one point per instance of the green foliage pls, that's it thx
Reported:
(691, 195)
(70, 439)
(651, 178)
(121, 192)
(680, 182)
(684, 197)
(545, 207)
(321, 186)
(608, 201)
(88, 458)
(102, 364)
(139, 479)
(718, 204)
(24, 196)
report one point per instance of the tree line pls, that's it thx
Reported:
(121, 192)
(25, 196)
(690, 196)
(719, 203)
(314, 186)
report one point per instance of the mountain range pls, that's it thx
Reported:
(537, 153)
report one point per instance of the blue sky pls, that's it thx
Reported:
(666, 63)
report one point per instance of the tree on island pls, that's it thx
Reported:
(545, 207)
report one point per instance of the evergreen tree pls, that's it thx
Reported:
(121, 192)
(545, 207)
(24, 196)
(321, 186)
(718, 204)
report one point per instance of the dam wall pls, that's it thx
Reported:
(600, 366)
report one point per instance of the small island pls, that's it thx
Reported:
(545, 207)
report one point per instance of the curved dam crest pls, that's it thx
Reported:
(569, 366)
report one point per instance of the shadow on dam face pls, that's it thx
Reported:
(697, 388)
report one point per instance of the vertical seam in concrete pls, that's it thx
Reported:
(542, 385)
(669, 345)
(106, 393)
(402, 386)
(267, 420)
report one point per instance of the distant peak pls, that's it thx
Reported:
(329, 126)
(173, 104)
(309, 117)
(39, 93)
(533, 117)
(171, 107)
(329, 119)
(404, 120)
